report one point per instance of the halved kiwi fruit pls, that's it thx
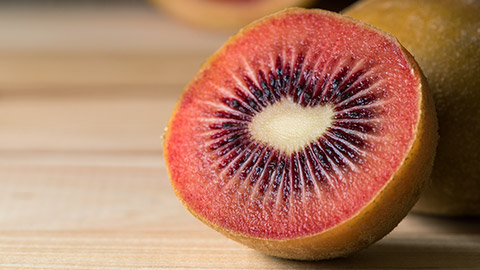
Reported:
(308, 135)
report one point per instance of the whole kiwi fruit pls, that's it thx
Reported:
(444, 38)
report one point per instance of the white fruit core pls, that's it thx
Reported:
(289, 127)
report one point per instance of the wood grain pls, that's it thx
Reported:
(118, 216)
(83, 104)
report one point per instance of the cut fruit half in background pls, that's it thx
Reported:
(224, 14)
(308, 135)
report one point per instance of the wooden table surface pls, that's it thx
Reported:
(84, 97)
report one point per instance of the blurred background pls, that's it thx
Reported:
(95, 62)
(86, 89)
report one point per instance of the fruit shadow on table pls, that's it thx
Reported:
(440, 242)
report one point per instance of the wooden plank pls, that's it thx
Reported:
(108, 123)
(53, 73)
(203, 250)
(102, 30)
(78, 195)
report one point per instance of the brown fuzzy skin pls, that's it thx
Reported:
(379, 216)
(224, 15)
(443, 36)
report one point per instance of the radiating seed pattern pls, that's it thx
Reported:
(348, 87)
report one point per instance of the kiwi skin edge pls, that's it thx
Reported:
(386, 209)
